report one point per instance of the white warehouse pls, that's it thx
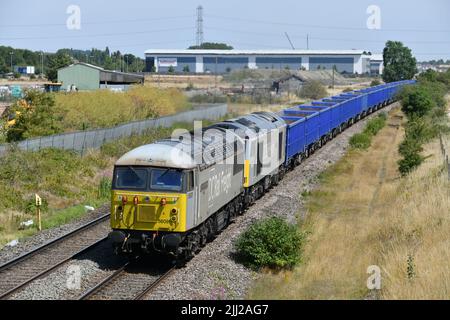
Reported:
(223, 61)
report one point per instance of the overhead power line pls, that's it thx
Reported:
(319, 38)
(34, 25)
(315, 26)
(98, 35)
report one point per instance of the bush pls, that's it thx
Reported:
(360, 141)
(271, 243)
(347, 90)
(409, 147)
(420, 130)
(375, 82)
(34, 116)
(313, 90)
(376, 124)
(417, 101)
(409, 163)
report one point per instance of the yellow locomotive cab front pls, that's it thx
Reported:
(149, 207)
(148, 211)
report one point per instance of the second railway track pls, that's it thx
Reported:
(133, 281)
(17, 273)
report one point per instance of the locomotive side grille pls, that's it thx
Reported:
(147, 213)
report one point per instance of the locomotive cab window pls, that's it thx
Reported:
(130, 178)
(166, 179)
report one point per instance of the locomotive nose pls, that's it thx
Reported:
(117, 236)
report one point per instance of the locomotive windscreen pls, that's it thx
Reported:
(148, 179)
(166, 179)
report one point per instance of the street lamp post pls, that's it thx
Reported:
(42, 64)
(11, 56)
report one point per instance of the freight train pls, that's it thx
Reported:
(175, 195)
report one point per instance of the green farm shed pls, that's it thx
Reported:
(86, 76)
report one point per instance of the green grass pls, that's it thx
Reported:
(363, 139)
(60, 217)
(64, 180)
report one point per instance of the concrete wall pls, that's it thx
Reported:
(91, 139)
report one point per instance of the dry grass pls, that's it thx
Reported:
(364, 214)
(103, 108)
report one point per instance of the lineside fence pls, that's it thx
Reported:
(81, 141)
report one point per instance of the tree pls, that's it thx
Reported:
(56, 62)
(34, 116)
(417, 101)
(212, 45)
(186, 68)
(399, 64)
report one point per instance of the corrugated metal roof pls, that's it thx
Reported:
(254, 52)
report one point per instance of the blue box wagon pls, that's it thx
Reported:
(311, 125)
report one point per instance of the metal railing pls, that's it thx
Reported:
(81, 141)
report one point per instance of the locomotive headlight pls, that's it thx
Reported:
(135, 200)
(174, 215)
(163, 201)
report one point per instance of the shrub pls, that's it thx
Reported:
(271, 243)
(34, 116)
(409, 163)
(190, 86)
(409, 147)
(417, 101)
(313, 90)
(360, 141)
(376, 124)
(375, 82)
(347, 90)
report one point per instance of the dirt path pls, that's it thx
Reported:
(395, 123)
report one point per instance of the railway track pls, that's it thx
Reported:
(133, 281)
(19, 272)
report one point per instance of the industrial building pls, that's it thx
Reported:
(223, 61)
(86, 76)
(376, 64)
